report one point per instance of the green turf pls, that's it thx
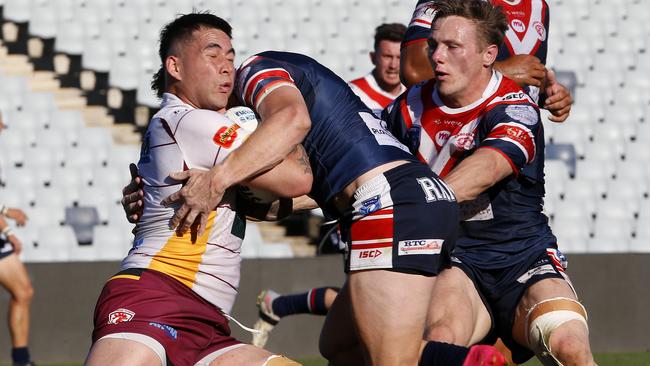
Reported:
(603, 359)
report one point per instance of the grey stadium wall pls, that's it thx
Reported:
(615, 288)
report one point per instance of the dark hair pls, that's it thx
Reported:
(491, 22)
(393, 32)
(180, 30)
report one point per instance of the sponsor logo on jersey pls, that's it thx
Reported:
(442, 137)
(540, 29)
(370, 205)
(512, 2)
(518, 26)
(120, 316)
(372, 253)
(422, 246)
(514, 96)
(522, 113)
(226, 136)
(547, 268)
(171, 332)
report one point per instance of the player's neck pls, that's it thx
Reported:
(394, 90)
(471, 94)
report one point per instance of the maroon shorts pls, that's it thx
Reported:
(153, 304)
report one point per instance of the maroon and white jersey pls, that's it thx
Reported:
(371, 94)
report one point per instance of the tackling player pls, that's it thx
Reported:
(521, 57)
(171, 300)
(482, 133)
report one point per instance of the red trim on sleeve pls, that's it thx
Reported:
(269, 85)
(266, 74)
(514, 168)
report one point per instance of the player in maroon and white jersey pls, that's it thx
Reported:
(521, 56)
(378, 89)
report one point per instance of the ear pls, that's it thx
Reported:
(172, 65)
(372, 57)
(490, 55)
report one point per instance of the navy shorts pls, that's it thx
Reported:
(405, 220)
(153, 304)
(502, 289)
(6, 249)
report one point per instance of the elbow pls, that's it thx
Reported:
(302, 185)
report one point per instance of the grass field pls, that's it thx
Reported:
(603, 359)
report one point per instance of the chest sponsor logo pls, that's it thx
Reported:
(518, 26)
(120, 316)
(540, 29)
(522, 113)
(422, 246)
(547, 268)
(512, 2)
(442, 137)
(226, 136)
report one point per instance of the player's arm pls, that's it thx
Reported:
(15, 214)
(523, 69)
(509, 145)
(478, 172)
(285, 123)
(414, 63)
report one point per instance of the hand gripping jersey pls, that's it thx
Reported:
(371, 94)
(527, 33)
(506, 219)
(345, 140)
(180, 137)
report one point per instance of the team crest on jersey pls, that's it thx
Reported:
(464, 141)
(120, 316)
(540, 29)
(518, 26)
(522, 113)
(225, 136)
(370, 205)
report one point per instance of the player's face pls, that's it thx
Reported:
(458, 60)
(207, 69)
(386, 61)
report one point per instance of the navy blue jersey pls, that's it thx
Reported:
(507, 219)
(527, 33)
(345, 140)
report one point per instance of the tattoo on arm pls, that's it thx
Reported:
(303, 160)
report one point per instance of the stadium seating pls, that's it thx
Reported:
(54, 157)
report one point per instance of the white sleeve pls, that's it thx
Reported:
(206, 137)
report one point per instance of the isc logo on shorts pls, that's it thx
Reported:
(423, 246)
(371, 258)
(120, 316)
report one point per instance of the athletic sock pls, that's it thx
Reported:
(311, 302)
(20, 355)
(443, 354)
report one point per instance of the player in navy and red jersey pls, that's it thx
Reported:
(379, 87)
(482, 133)
(521, 57)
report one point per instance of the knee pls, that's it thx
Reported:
(570, 346)
(24, 294)
(441, 332)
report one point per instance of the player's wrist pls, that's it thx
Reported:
(6, 231)
(4, 210)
